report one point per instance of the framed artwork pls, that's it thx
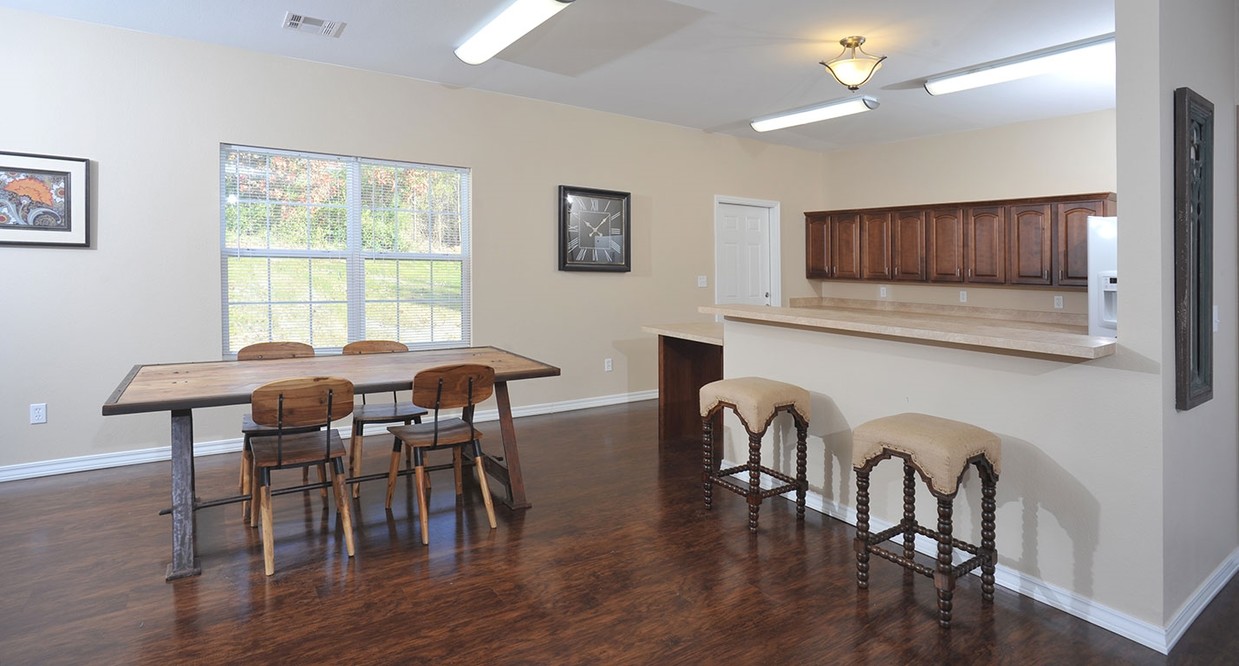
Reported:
(44, 200)
(1193, 248)
(595, 232)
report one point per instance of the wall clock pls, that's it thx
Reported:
(594, 230)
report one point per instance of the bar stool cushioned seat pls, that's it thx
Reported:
(756, 401)
(941, 451)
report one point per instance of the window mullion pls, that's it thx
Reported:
(356, 267)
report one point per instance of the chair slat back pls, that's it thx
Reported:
(260, 351)
(375, 347)
(453, 386)
(303, 401)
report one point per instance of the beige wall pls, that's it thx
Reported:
(1200, 452)
(150, 113)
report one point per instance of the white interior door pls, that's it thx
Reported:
(742, 253)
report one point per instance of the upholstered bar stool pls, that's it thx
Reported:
(756, 401)
(940, 450)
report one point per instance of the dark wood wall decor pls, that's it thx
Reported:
(1193, 248)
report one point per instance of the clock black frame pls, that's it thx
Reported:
(567, 262)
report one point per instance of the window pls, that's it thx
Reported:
(326, 249)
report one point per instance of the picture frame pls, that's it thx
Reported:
(44, 200)
(1193, 248)
(595, 230)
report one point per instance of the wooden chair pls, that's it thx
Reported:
(385, 412)
(288, 407)
(461, 387)
(261, 351)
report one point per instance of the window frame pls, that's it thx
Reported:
(354, 254)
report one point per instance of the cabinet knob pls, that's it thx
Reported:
(1046, 276)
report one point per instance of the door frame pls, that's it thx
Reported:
(775, 258)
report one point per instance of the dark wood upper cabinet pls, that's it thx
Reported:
(817, 245)
(1071, 247)
(1039, 241)
(875, 246)
(908, 256)
(845, 245)
(946, 245)
(985, 240)
(1030, 244)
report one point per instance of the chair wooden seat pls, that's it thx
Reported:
(450, 432)
(296, 450)
(460, 387)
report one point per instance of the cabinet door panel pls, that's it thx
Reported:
(1030, 244)
(946, 245)
(876, 246)
(1071, 251)
(985, 234)
(845, 246)
(908, 252)
(817, 246)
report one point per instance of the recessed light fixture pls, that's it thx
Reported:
(1073, 56)
(813, 114)
(510, 25)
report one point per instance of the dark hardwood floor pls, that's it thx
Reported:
(616, 563)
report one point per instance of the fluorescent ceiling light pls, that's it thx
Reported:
(510, 25)
(1074, 56)
(812, 114)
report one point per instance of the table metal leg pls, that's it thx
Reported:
(184, 546)
(510, 471)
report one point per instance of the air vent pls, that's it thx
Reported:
(314, 26)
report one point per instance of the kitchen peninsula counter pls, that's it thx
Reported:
(1049, 334)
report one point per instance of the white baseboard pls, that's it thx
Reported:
(158, 454)
(1161, 639)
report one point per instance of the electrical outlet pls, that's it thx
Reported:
(702, 281)
(606, 365)
(882, 293)
(38, 413)
(1058, 302)
(963, 295)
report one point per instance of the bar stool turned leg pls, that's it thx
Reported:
(707, 451)
(988, 487)
(909, 511)
(754, 495)
(943, 579)
(861, 544)
(802, 479)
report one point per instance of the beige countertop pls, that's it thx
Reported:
(989, 330)
(710, 333)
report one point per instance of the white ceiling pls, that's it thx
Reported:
(706, 64)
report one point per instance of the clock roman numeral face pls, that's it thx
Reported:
(594, 230)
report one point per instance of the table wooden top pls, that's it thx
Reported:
(164, 387)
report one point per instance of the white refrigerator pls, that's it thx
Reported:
(1103, 276)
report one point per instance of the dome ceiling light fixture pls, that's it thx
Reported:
(853, 67)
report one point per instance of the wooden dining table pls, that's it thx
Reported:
(179, 388)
